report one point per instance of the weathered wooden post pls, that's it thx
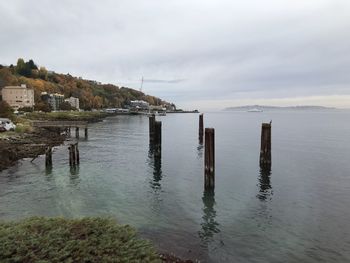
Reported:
(77, 132)
(48, 156)
(74, 158)
(152, 120)
(209, 159)
(70, 155)
(157, 138)
(86, 133)
(200, 129)
(77, 154)
(265, 150)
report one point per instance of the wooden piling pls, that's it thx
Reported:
(70, 155)
(209, 159)
(77, 154)
(86, 133)
(152, 120)
(265, 150)
(157, 138)
(77, 132)
(48, 156)
(200, 133)
(74, 158)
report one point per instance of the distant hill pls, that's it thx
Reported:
(91, 93)
(273, 108)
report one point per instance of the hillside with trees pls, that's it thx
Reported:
(92, 94)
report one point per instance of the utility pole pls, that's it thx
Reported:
(141, 84)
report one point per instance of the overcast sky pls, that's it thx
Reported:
(196, 53)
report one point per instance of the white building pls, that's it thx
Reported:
(18, 96)
(139, 104)
(74, 102)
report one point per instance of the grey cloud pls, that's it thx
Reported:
(204, 49)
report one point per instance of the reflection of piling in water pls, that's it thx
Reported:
(74, 170)
(86, 133)
(265, 188)
(77, 132)
(265, 150)
(74, 157)
(156, 162)
(200, 131)
(209, 159)
(209, 224)
(157, 138)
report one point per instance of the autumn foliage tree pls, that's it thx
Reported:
(5, 110)
(91, 94)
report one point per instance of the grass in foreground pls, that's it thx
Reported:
(42, 240)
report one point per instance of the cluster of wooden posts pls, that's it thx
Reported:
(73, 149)
(77, 133)
(209, 147)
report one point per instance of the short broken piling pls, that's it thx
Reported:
(157, 138)
(48, 156)
(265, 150)
(209, 159)
(86, 133)
(74, 157)
(77, 132)
(200, 132)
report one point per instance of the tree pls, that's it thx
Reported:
(23, 68)
(42, 106)
(43, 73)
(31, 64)
(65, 106)
(97, 102)
(5, 110)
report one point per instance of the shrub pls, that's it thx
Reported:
(41, 239)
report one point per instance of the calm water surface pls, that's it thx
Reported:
(297, 212)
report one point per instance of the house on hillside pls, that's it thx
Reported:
(74, 102)
(18, 96)
(54, 100)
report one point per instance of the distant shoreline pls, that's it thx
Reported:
(274, 108)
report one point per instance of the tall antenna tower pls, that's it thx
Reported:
(141, 84)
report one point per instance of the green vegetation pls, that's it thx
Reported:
(23, 126)
(92, 94)
(42, 240)
(66, 115)
(6, 111)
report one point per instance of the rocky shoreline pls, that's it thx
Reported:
(16, 146)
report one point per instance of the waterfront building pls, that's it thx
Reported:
(18, 96)
(139, 104)
(74, 102)
(54, 100)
